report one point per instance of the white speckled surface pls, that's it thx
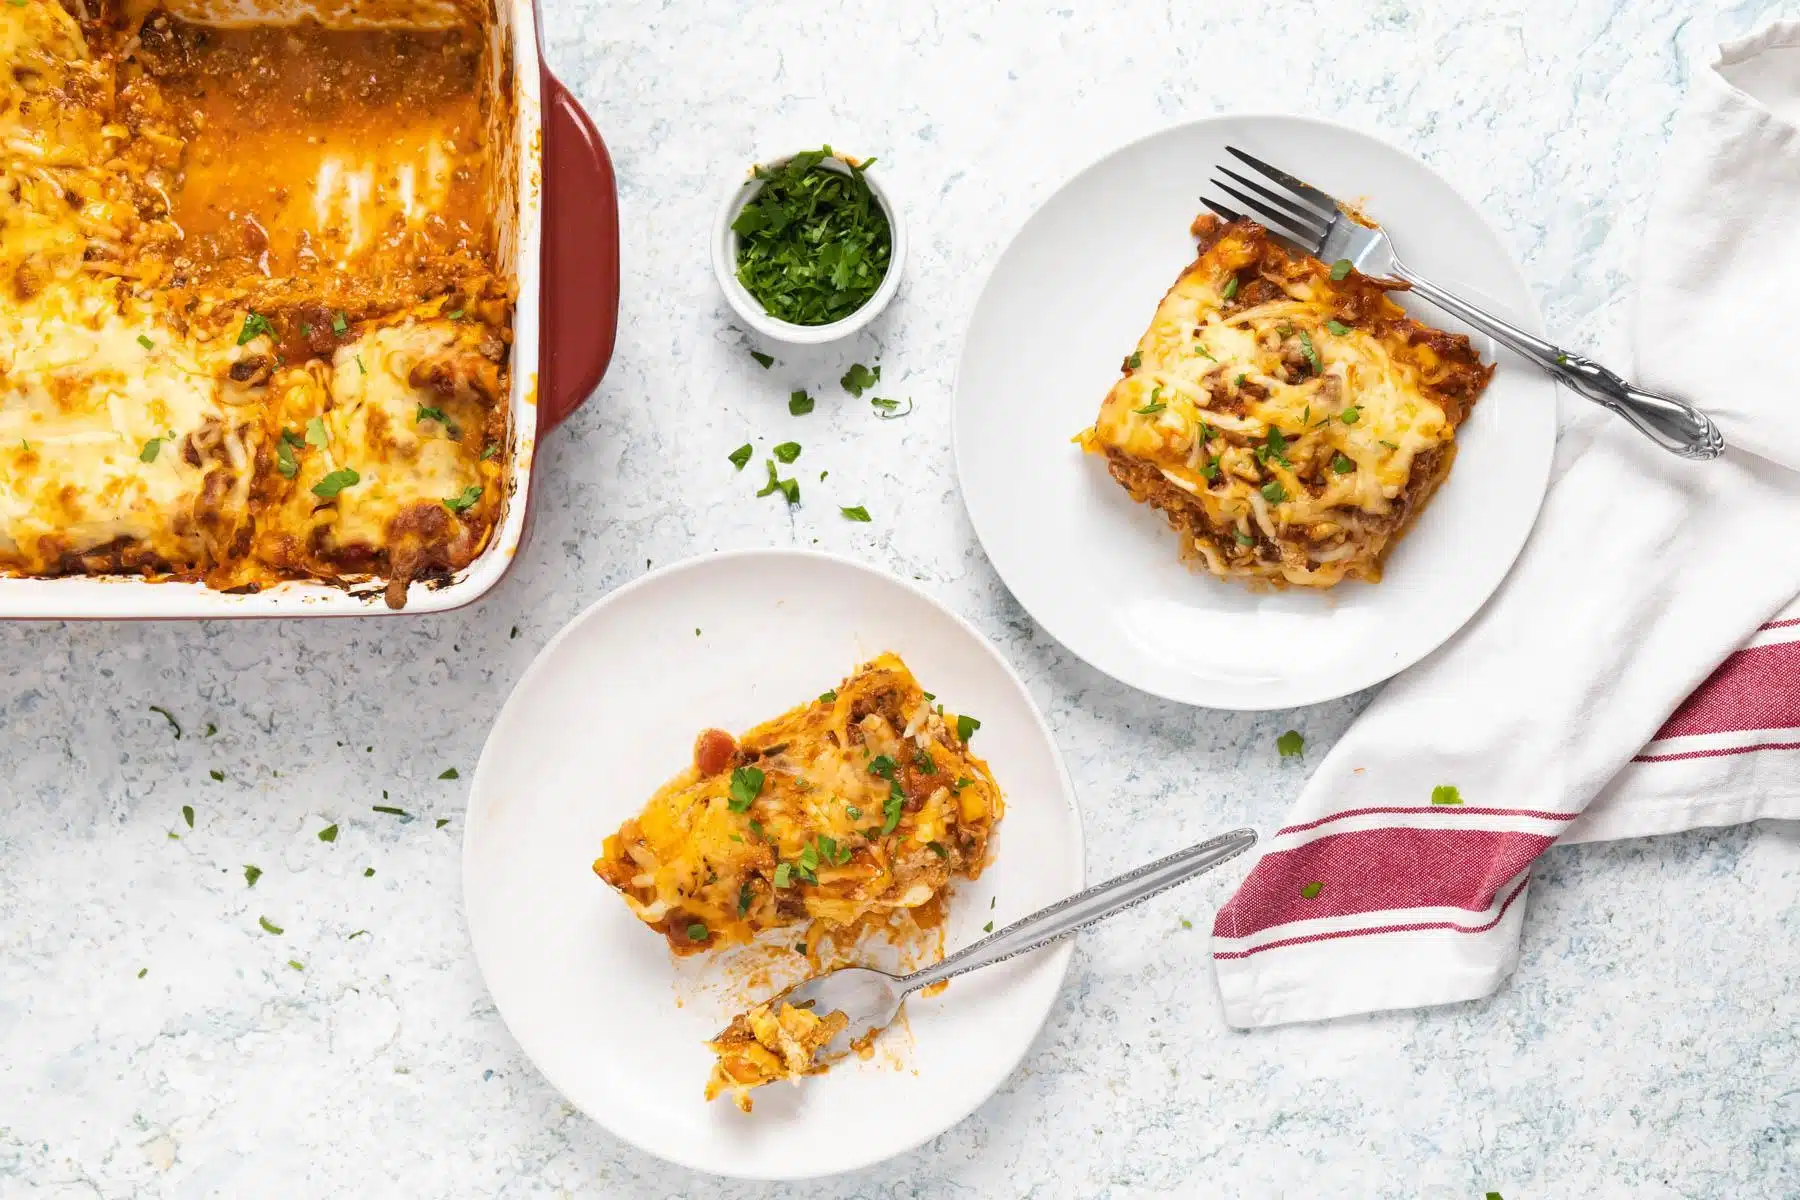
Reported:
(1645, 1047)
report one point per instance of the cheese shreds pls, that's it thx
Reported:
(1289, 425)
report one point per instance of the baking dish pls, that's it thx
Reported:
(560, 234)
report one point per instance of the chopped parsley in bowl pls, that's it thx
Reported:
(808, 248)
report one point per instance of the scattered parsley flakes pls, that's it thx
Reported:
(859, 379)
(187, 814)
(339, 325)
(150, 450)
(463, 501)
(328, 834)
(988, 928)
(799, 403)
(966, 727)
(145, 342)
(890, 809)
(887, 408)
(1341, 464)
(1311, 352)
(1150, 409)
(855, 512)
(937, 848)
(789, 488)
(1351, 415)
(210, 729)
(328, 487)
(255, 325)
(741, 456)
(296, 964)
(746, 786)
(270, 926)
(169, 717)
(359, 933)
(365, 371)
(1340, 268)
(1311, 890)
(828, 697)
(1290, 744)
(1337, 327)
(251, 875)
(764, 360)
(391, 811)
(425, 413)
(449, 773)
(285, 462)
(1244, 539)
(783, 873)
(1135, 361)
(1446, 793)
(442, 821)
(368, 871)
(142, 971)
(1230, 289)
(1273, 492)
(787, 452)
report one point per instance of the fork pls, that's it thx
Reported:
(1313, 222)
(871, 998)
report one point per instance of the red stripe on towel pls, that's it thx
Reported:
(1375, 929)
(1444, 809)
(1720, 752)
(1379, 870)
(1756, 688)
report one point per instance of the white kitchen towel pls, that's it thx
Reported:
(1559, 712)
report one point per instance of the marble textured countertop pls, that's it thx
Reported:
(155, 1040)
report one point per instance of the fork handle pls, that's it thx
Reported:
(1673, 424)
(1084, 908)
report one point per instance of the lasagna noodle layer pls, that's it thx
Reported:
(250, 327)
(847, 811)
(1288, 423)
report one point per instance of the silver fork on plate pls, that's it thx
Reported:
(871, 998)
(1311, 221)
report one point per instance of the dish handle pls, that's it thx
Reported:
(580, 310)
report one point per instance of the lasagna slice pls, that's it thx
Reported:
(768, 1043)
(853, 812)
(1286, 416)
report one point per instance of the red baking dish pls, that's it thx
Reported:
(562, 230)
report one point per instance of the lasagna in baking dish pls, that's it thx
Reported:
(849, 813)
(251, 327)
(1287, 417)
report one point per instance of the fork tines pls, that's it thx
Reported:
(1300, 213)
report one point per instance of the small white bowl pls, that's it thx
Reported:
(750, 310)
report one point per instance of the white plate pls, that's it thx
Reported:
(1070, 297)
(606, 714)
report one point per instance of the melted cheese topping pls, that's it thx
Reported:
(768, 1043)
(181, 396)
(859, 805)
(1291, 421)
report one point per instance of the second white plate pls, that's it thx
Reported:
(1070, 297)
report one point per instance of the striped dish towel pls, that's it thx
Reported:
(1558, 714)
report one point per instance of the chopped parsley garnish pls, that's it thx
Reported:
(799, 403)
(339, 325)
(150, 450)
(251, 875)
(859, 379)
(937, 848)
(961, 783)
(255, 324)
(1230, 289)
(789, 488)
(853, 812)
(746, 786)
(449, 773)
(787, 452)
(966, 727)
(463, 501)
(1273, 492)
(296, 964)
(391, 811)
(1311, 890)
(1312, 352)
(1203, 352)
(890, 809)
(745, 895)
(813, 242)
(328, 487)
(1445, 793)
(1337, 327)
(317, 434)
(1150, 409)
(883, 766)
(1244, 539)
(1135, 361)
(1239, 381)
(328, 834)
(270, 926)
(490, 451)
(285, 462)
(887, 408)
(696, 932)
(211, 729)
(739, 457)
(142, 971)
(1290, 744)
(855, 512)
(1351, 415)
(1340, 268)
(145, 342)
(1274, 446)
(367, 872)
(1388, 444)
(829, 697)
(187, 814)
(1210, 469)
(169, 717)
(988, 928)
(217, 775)
(455, 314)
(757, 830)
(765, 360)
(1342, 464)
(783, 872)
(923, 764)
(364, 370)
(425, 413)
